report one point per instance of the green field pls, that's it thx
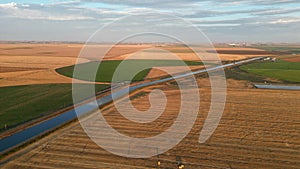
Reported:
(20, 104)
(106, 69)
(281, 70)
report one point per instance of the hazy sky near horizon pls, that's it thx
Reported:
(220, 20)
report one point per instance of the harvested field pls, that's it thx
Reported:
(47, 76)
(25, 64)
(4, 69)
(184, 53)
(25, 49)
(65, 50)
(45, 62)
(228, 54)
(257, 132)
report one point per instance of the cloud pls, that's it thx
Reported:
(8, 5)
(254, 2)
(145, 3)
(246, 22)
(214, 13)
(277, 11)
(26, 11)
(285, 21)
(215, 16)
(53, 12)
(181, 4)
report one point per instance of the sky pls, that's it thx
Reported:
(220, 20)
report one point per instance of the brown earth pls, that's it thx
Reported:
(256, 131)
(293, 59)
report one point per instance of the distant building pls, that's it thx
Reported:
(274, 59)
